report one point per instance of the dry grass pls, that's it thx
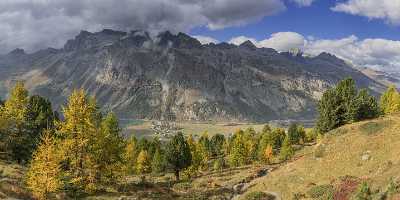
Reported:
(343, 152)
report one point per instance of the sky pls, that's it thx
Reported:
(363, 32)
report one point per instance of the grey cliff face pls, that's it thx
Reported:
(174, 77)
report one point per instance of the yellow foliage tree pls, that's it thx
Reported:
(130, 156)
(143, 164)
(390, 101)
(44, 174)
(268, 154)
(78, 131)
(16, 106)
(14, 114)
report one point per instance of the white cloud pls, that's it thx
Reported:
(304, 2)
(205, 39)
(281, 41)
(375, 53)
(388, 10)
(34, 24)
(379, 54)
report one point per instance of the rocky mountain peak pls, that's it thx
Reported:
(248, 45)
(184, 81)
(181, 40)
(17, 52)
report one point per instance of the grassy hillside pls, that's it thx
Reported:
(366, 151)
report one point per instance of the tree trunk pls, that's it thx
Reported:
(177, 175)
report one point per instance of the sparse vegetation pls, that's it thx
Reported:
(322, 192)
(259, 196)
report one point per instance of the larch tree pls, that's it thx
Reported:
(106, 153)
(268, 154)
(143, 163)
(44, 173)
(239, 154)
(20, 142)
(390, 101)
(130, 156)
(78, 131)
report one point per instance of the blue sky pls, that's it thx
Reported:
(317, 20)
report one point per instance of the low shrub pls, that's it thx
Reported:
(259, 196)
(319, 151)
(322, 192)
(372, 128)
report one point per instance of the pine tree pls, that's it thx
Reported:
(344, 104)
(287, 150)
(329, 112)
(217, 143)
(178, 154)
(40, 114)
(143, 163)
(157, 163)
(301, 133)
(346, 92)
(44, 174)
(365, 106)
(293, 134)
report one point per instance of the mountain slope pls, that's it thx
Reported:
(362, 151)
(174, 77)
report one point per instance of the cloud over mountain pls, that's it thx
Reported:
(378, 53)
(34, 24)
(281, 41)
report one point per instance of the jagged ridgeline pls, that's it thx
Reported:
(175, 77)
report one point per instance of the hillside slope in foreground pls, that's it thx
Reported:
(366, 151)
(333, 169)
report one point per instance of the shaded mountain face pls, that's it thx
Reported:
(174, 77)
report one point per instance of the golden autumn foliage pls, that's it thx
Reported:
(268, 154)
(143, 164)
(130, 155)
(77, 131)
(44, 174)
(390, 101)
(16, 106)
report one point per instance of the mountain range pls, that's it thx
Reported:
(175, 77)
